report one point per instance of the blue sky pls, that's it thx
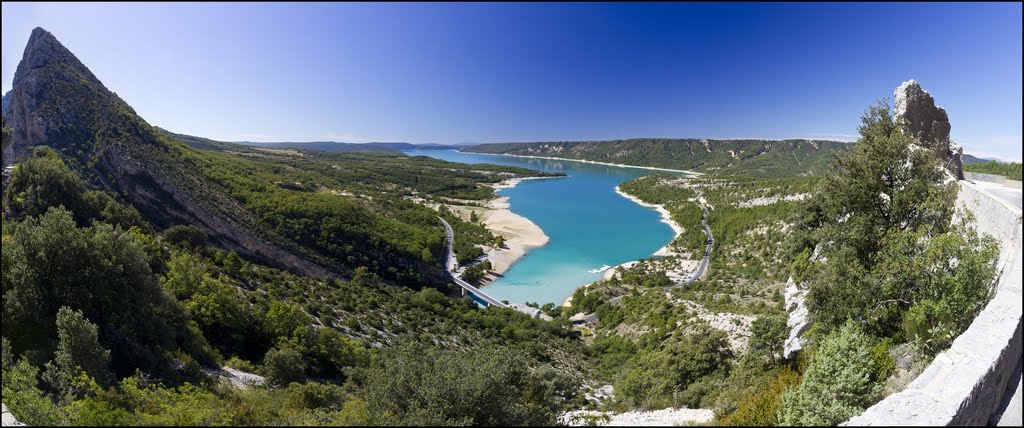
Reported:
(452, 73)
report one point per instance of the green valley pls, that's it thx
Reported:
(151, 277)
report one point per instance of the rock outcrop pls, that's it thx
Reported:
(927, 124)
(57, 102)
(797, 319)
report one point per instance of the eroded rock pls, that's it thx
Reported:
(927, 124)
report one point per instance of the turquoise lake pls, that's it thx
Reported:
(589, 225)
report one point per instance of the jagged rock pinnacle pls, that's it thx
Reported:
(927, 124)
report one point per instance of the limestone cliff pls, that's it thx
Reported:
(927, 124)
(56, 101)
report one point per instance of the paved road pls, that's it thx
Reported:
(1005, 193)
(707, 249)
(707, 253)
(451, 265)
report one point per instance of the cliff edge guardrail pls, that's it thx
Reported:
(965, 384)
(977, 176)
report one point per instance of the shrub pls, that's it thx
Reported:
(284, 366)
(762, 407)
(188, 236)
(78, 352)
(838, 383)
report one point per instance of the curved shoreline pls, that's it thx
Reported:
(665, 251)
(520, 233)
(666, 217)
(620, 165)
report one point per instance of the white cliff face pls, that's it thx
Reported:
(797, 321)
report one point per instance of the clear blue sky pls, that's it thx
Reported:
(451, 73)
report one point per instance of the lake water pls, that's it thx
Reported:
(589, 225)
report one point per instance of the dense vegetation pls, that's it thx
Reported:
(119, 333)
(123, 299)
(653, 338)
(1010, 170)
(759, 158)
(890, 271)
(886, 263)
(347, 210)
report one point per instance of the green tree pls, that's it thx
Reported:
(877, 240)
(184, 275)
(413, 384)
(78, 352)
(284, 318)
(838, 383)
(108, 279)
(284, 366)
(21, 392)
(768, 334)
(221, 312)
(188, 236)
(43, 181)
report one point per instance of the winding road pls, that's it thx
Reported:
(707, 249)
(702, 268)
(451, 265)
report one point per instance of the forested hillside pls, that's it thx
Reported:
(154, 278)
(137, 262)
(1011, 170)
(308, 212)
(758, 158)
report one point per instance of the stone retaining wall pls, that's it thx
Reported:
(964, 384)
(977, 176)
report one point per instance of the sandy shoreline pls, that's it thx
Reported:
(606, 275)
(666, 218)
(519, 233)
(620, 165)
(665, 251)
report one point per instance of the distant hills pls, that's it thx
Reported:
(968, 159)
(331, 146)
(265, 206)
(748, 157)
(761, 158)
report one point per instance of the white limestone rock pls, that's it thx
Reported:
(797, 320)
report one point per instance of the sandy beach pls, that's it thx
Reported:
(519, 232)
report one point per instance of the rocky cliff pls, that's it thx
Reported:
(56, 101)
(927, 124)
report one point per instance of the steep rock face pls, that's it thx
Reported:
(45, 65)
(797, 319)
(927, 124)
(56, 101)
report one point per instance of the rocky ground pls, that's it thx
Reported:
(664, 417)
